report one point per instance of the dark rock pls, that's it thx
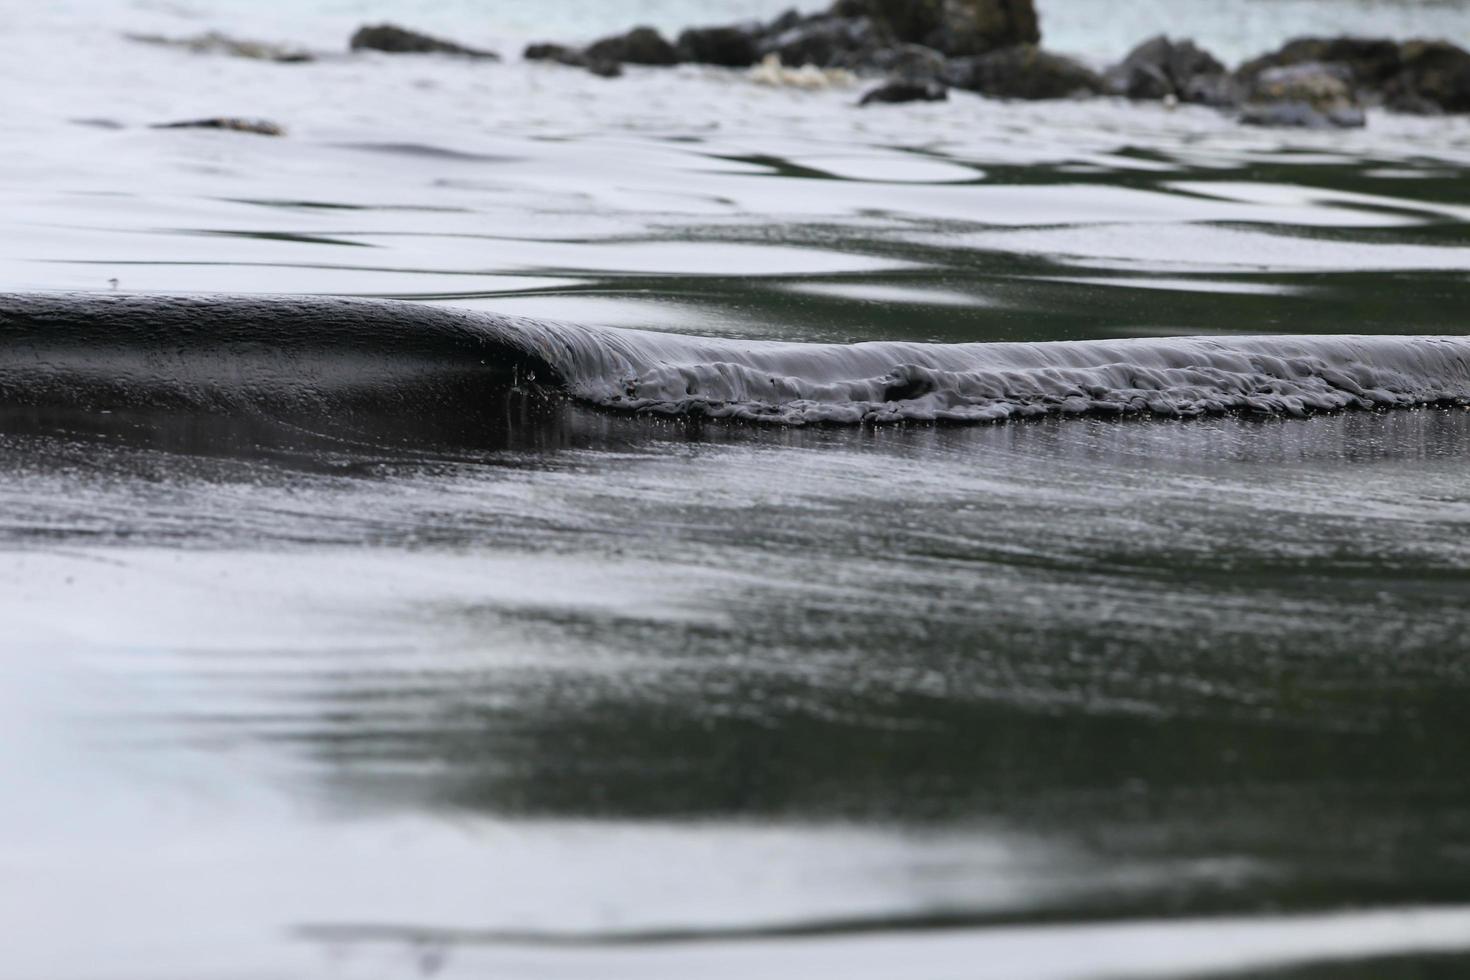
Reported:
(1432, 73)
(1371, 61)
(828, 42)
(1415, 76)
(1023, 72)
(1144, 82)
(955, 27)
(910, 63)
(605, 69)
(1161, 68)
(213, 42)
(735, 46)
(1300, 115)
(559, 53)
(640, 46)
(571, 57)
(1313, 95)
(785, 22)
(397, 40)
(1413, 105)
(259, 126)
(1221, 91)
(900, 91)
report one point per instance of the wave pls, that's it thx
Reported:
(217, 353)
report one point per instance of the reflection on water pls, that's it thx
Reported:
(1073, 670)
(585, 695)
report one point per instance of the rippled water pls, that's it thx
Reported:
(545, 691)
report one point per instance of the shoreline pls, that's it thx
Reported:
(995, 48)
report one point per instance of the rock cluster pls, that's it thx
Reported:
(864, 36)
(923, 47)
(1428, 77)
(1313, 82)
(917, 50)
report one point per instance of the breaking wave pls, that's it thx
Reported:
(215, 353)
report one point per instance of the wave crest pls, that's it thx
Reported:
(214, 353)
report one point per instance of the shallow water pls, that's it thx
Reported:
(532, 689)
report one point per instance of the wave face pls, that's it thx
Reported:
(219, 352)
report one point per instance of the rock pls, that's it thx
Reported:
(734, 46)
(604, 69)
(910, 63)
(1313, 94)
(1023, 72)
(1371, 62)
(571, 57)
(906, 91)
(261, 127)
(213, 42)
(1432, 73)
(1161, 68)
(1299, 115)
(1413, 76)
(1413, 105)
(828, 42)
(1144, 82)
(640, 46)
(1221, 91)
(955, 27)
(398, 40)
(559, 53)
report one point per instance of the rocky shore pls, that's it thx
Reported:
(914, 50)
(918, 50)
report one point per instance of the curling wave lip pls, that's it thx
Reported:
(228, 353)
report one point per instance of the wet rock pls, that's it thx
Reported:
(260, 127)
(1144, 82)
(870, 36)
(571, 57)
(828, 41)
(911, 63)
(906, 91)
(1023, 72)
(640, 46)
(397, 40)
(605, 69)
(213, 42)
(1432, 73)
(734, 46)
(1415, 76)
(1371, 62)
(785, 22)
(1162, 68)
(955, 27)
(1413, 105)
(1313, 94)
(559, 53)
(1221, 91)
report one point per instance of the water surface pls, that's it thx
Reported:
(538, 690)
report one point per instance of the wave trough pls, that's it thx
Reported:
(219, 352)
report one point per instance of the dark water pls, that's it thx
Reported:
(336, 646)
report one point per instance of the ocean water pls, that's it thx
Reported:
(344, 641)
